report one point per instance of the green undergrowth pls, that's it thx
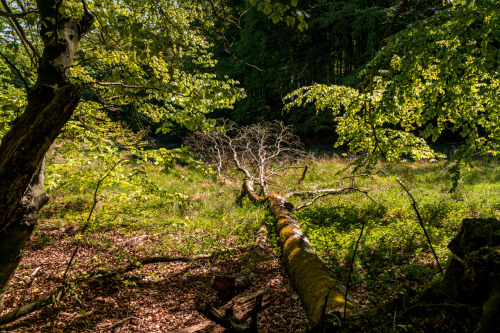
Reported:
(393, 253)
(185, 208)
(188, 209)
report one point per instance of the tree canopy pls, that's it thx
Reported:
(151, 57)
(438, 75)
(270, 60)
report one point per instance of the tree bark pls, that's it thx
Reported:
(51, 102)
(472, 274)
(319, 291)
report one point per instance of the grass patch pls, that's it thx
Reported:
(188, 211)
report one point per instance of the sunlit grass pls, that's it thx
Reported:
(190, 211)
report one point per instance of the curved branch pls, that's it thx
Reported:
(19, 29)
(16, 15)
(16, 69)
(99, 274)
(324, 193)
(129, 86)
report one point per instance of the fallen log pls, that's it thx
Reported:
(33, 306)
(241, 301)
(321, 294)
(228, 319)
(319, 291)
(259, 152)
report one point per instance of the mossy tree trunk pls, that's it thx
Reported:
(51, 102)
(261, 153)
(321, 293)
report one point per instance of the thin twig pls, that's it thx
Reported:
(303, 174)
(352, 266)
(87, 223)
(223, 19)
(17, 15)
(420, 221)
(324, 193)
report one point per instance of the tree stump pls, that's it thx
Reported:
(473, 271)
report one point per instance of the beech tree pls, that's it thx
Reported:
(437, 76)
(148, 55)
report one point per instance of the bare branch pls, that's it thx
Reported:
(324, 193)
(119, 323)
(351, 268)
(128, 86)
(19, 30)
(222, 17)
(87, 223)
(421, 222)
(17, 15)
(256, 151)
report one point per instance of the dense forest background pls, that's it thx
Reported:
(272, 60)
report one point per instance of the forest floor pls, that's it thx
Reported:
(143, 211)
(155, 298)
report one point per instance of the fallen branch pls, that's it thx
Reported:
(421, 222)
(121, 322)
(229, 321)
(226, 319)
(242, 301)
(324, 193)
(45, 300)
(98, 274)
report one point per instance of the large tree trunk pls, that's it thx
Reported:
(51, 103)
(15, 236)
(319, 291)
(321, 294)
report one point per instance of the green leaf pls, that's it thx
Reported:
(268, 8)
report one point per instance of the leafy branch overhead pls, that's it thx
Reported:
(277, 11)
(158, 62)
(435, 77)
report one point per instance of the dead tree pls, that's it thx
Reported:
(260, 153)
